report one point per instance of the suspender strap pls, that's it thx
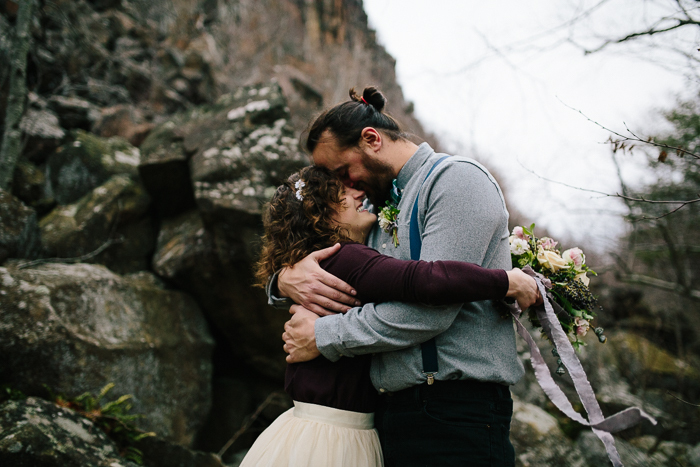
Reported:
(428, 349)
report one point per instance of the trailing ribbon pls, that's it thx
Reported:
(601, 426)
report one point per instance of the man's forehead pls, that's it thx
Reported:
(326, 154)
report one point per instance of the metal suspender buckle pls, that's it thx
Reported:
(431, 378)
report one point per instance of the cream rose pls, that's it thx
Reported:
(583, 278)
(551, 259)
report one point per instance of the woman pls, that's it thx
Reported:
(332, 422)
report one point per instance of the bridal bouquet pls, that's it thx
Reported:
(564, 317)
(567, 272)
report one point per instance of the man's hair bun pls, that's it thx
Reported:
(346, 121)
(370, 96)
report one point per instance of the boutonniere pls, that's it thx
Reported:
(387, 221)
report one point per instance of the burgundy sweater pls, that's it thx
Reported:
(346, 384)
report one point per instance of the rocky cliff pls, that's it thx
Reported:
(154, 131)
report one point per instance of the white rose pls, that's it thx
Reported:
(384, 223)
(518, 246)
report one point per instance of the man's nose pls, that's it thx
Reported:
(360, 194)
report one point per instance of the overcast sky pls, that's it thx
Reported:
(498, 80)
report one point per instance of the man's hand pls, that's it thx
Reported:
(307, 284)
(299, 336)
(523, 288)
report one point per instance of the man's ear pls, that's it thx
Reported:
(371, 138)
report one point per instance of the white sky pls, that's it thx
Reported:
(494, 79)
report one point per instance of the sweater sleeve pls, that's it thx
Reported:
(380, 278)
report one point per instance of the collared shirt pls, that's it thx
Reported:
(462, 216)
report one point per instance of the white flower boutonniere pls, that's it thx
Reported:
(387, 221)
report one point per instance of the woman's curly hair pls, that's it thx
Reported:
(294, 228)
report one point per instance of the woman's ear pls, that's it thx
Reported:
(371, 138)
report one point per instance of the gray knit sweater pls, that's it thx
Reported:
(462, 216)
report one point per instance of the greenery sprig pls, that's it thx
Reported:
(111, 417)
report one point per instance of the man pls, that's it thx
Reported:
(464, 417)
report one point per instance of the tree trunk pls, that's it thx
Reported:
(11, 140)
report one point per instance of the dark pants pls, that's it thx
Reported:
(451, 423)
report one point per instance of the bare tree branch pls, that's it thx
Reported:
(674, 254)
(639, 279)
(678, 398)
(649, 32)
(77, 259)
(681, 203)
(634, 137)
(249, 422)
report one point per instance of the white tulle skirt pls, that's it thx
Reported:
(311, 435)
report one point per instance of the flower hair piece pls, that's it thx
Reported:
(299, 185)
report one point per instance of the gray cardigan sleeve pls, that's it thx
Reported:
(464, 217)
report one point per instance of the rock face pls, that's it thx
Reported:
(114, 212)
(34, 432)
(539, 441)
(77, 327)
(18, 229)
(241, 148)
(87, 162)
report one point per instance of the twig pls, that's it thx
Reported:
(649, 32)
(249, 422)
(678, 398)
(682, 203)
(634, 137)
(77, 259)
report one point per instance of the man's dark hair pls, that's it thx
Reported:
(347, 120)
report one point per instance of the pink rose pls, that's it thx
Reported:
(582, 326)
(518, 232)
(574, 255)
(547, 243)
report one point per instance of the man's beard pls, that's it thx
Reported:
(377, 186)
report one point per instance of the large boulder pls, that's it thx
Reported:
(28, 184)
(73, 112)
(85, 163)
(237, 151)
(165, 171)
(114, 212)
(538, 439)
(187, 256)
(638, 452)
(38, 433)
(19, 233)
(79, 327)
(42, 131)
(230, 152)
(126, 121)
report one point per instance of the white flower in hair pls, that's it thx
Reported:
(299, 185)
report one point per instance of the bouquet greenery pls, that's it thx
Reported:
(567, 272)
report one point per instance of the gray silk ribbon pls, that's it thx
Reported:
(601, 426)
